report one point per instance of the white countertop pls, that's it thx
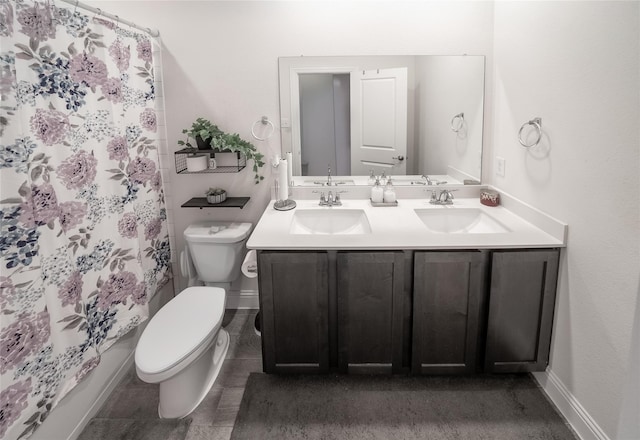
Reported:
(400, 228)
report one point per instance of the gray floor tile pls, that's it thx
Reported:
(131, 412)
(238, 321)
(201, 432)
(245, 346)
(132, 379)
(133, 402)
(204, 413)
(228, 407)
(235, 372)
(130, 429)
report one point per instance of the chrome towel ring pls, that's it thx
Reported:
(457, 122)
(537, 123)
(264, 121)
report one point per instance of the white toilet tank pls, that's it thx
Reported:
(217, 249)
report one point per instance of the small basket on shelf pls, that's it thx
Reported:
(216, 195)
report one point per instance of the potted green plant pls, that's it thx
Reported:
(216, 195)
(202, 131)
(212, 137)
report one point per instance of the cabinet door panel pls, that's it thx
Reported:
(370, 286)
(294, 303)
(521, 304)
(447, 298)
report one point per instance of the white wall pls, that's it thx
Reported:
(221, 62)
(449, 86)
(576, 65)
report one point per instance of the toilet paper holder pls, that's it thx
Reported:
(282, 205)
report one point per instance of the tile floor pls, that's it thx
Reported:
(131, 410)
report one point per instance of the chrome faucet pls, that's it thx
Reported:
(426, 178)
(330, 200)
(444, 198)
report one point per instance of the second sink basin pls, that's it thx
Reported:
(460, 220)
(330, 221)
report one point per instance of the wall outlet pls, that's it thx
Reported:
(500, 166)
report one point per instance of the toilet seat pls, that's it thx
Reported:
(179, 332)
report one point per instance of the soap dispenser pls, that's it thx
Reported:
(389, 195)
(377, 192)
(372, 178)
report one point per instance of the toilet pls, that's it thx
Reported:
(184, 345)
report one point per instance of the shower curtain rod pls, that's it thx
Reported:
(153, 32)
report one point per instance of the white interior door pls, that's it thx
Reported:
(379, 121)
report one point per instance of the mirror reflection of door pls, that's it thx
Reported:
(325, 128)
(353, 123)
(379, 121)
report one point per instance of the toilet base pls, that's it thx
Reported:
(182, 393)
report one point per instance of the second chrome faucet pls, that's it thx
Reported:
(444, 198)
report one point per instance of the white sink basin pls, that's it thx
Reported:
(460, 221)
(330, 221)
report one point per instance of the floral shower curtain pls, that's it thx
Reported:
(84, 242)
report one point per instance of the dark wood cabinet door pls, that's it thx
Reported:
(293, 289)
(521, 305)
(370, 311)
(448, 292)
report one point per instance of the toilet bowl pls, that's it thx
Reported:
(184, 345)
(183, 348)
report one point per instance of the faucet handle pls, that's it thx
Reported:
(448, 194)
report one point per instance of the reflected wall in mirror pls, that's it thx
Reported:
(402, 115)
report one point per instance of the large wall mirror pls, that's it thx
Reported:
(404, 115)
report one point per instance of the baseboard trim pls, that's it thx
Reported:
(580, 420)
(242, 300)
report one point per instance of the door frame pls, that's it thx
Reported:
(294, 81)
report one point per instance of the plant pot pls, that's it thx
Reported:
(203, 144)
(218, 198)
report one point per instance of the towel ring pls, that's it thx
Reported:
(264, 121)
(537, 123)
(457, 127)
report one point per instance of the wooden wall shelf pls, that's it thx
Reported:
(230, 202)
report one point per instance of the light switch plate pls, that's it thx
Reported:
(500, 166)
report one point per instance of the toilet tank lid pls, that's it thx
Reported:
(217, 232)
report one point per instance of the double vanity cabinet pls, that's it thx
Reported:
(398, 297)
(428, 312)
